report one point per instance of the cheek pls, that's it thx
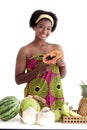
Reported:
(38, 31)
(48, 33)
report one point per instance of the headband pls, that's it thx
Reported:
(45, 16)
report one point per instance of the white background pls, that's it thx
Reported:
(71, 34)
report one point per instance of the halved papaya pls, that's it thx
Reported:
(52, 57)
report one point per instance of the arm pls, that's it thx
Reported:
(62, 71)
(20, 76)
(26, 77)
(21, 61)
(61, 63)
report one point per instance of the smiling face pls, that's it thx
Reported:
(43, 29)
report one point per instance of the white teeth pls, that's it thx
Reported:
(42, 35)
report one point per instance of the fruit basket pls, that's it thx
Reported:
(72, 119)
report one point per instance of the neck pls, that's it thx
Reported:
(39, 42)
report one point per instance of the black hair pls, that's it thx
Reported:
(37, 13)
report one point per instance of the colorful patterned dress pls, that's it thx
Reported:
(47, 85)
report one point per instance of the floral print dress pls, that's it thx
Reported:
(47, 85)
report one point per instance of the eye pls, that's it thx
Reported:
(49, 29)
(40, 26)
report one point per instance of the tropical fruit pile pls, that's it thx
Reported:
(31, 112)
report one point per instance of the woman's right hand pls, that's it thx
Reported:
(42, 67)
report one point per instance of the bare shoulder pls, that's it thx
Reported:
(57, 47)
(25, 51)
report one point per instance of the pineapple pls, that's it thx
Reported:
(82, 107)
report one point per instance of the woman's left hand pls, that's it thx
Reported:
(60, 62)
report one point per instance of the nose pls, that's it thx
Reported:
(44, 30)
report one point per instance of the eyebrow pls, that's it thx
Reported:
(44, 25)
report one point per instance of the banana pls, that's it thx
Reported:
(67, 111)
(72, 113)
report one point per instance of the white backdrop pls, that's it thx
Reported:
(70, 33)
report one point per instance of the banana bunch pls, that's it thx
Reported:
(67, 111)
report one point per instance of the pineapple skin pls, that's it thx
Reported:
(82, 101)
(82, 110)
(82, 107)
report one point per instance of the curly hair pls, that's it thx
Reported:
(37, 13)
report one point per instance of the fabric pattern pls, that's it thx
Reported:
(47, 86)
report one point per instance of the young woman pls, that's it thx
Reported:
(42, 79)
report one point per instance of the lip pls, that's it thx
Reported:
(43, 35)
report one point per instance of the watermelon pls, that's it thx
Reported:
(9, 107)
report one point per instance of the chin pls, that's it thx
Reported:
(42, 38)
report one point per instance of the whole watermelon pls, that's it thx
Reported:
(9, 107)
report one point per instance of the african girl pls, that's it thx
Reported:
(41, 79)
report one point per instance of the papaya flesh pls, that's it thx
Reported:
(52, 57)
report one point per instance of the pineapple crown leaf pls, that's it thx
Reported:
(83, 84)
(84, 89)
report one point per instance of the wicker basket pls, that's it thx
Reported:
(82, 119)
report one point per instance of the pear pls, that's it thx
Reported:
(57, 115)
(29, 102)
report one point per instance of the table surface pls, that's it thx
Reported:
(16, 123)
